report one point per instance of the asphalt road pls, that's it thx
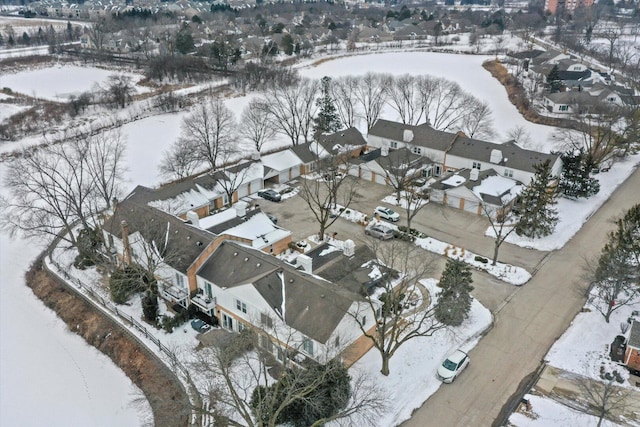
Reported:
(527, 323)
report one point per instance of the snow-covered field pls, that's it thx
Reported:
(546, 412)
(60, 82)
(48, 375)
(8, 110)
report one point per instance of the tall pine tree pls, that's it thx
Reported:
(576, 180)
(455, 299)
(327, 120)
(553, 80)
(539, 216)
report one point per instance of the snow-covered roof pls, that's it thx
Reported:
(498, 186)
(454, 180)
(188, 200)
(260, 230)
(213, 220)
(281, 160)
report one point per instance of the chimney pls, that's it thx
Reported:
(305, 262)
(114, 203)
(384, 151)
(473, 174)
(193, 218)
(241, 209)
(126, 256)
(255, 155)
(407, 135)
(496, 156)
(349, 248)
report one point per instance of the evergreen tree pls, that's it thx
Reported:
(287, 44)
(327, 120)
(617, 276)
(576, 180)
(553, 79)
(184, 41)
(455, 299)
(538, 217)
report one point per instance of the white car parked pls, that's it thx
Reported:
(452, 366)
(386, 213)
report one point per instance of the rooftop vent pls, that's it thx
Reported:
(407, 135)
(473, 174)
(246, 259)
(496, 156)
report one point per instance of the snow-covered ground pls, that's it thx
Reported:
(61, 81)
(572, 214)
(546, 412)
(572, 352)
(48, 375)
(8, 110)
(413, 368)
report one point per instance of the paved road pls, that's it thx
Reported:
(526, 326)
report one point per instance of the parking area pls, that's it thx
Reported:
(447, 224)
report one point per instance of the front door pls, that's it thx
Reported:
(227, 322)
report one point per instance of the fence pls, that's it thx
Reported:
(96, 299)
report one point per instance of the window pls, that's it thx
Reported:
(393, 144)
(225, 199)
(241, 327)
(307, 346)
(508, 173)
(179, 280)
(241, 306)
(280, 354)
(364, 320)
(207, 289)
(438, 170)
(564, 108)
(312, 166)
(417, 150)
(477, 165)
(265, 320)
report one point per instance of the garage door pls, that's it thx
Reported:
(471, 206)
(284, 176)
(380, 179)
(453, 201)
(243, 191)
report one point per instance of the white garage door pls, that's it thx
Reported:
(243, 191)
(453, 201)
(471, 206)
(284, 177)
(381, 179)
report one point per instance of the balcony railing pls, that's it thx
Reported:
(204, 302)
(174, 292)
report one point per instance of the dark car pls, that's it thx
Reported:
(200, 325)
(272, 195)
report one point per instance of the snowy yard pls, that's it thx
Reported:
(546, 412)
(574, 213)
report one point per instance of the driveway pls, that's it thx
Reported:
(526, 326)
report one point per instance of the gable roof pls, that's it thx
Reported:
(183, 241)
(513, 156)
(423, 135)
(304, 152)
(280, 161)
(342, 140)
(312, 306)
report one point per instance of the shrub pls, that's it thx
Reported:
(124, 283)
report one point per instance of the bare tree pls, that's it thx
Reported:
(209, 133)
(180, 161)
(257, 124)
(119, 89)
(343, 93)
(611, 32)
(330, 188)
(404, 98)
(98, 34)
(445, 103)
(402, 266)
(292, 108)
(59, 184)
(236, 374)
(478, 121)
(498, 217)
(371, 95)
(236, 175)
(605, 399)
(402, 168)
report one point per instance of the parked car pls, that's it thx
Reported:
(379, 231)
(200, 325)
(386, 213)
(273, 218)
(272, 195)
(452, 366)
